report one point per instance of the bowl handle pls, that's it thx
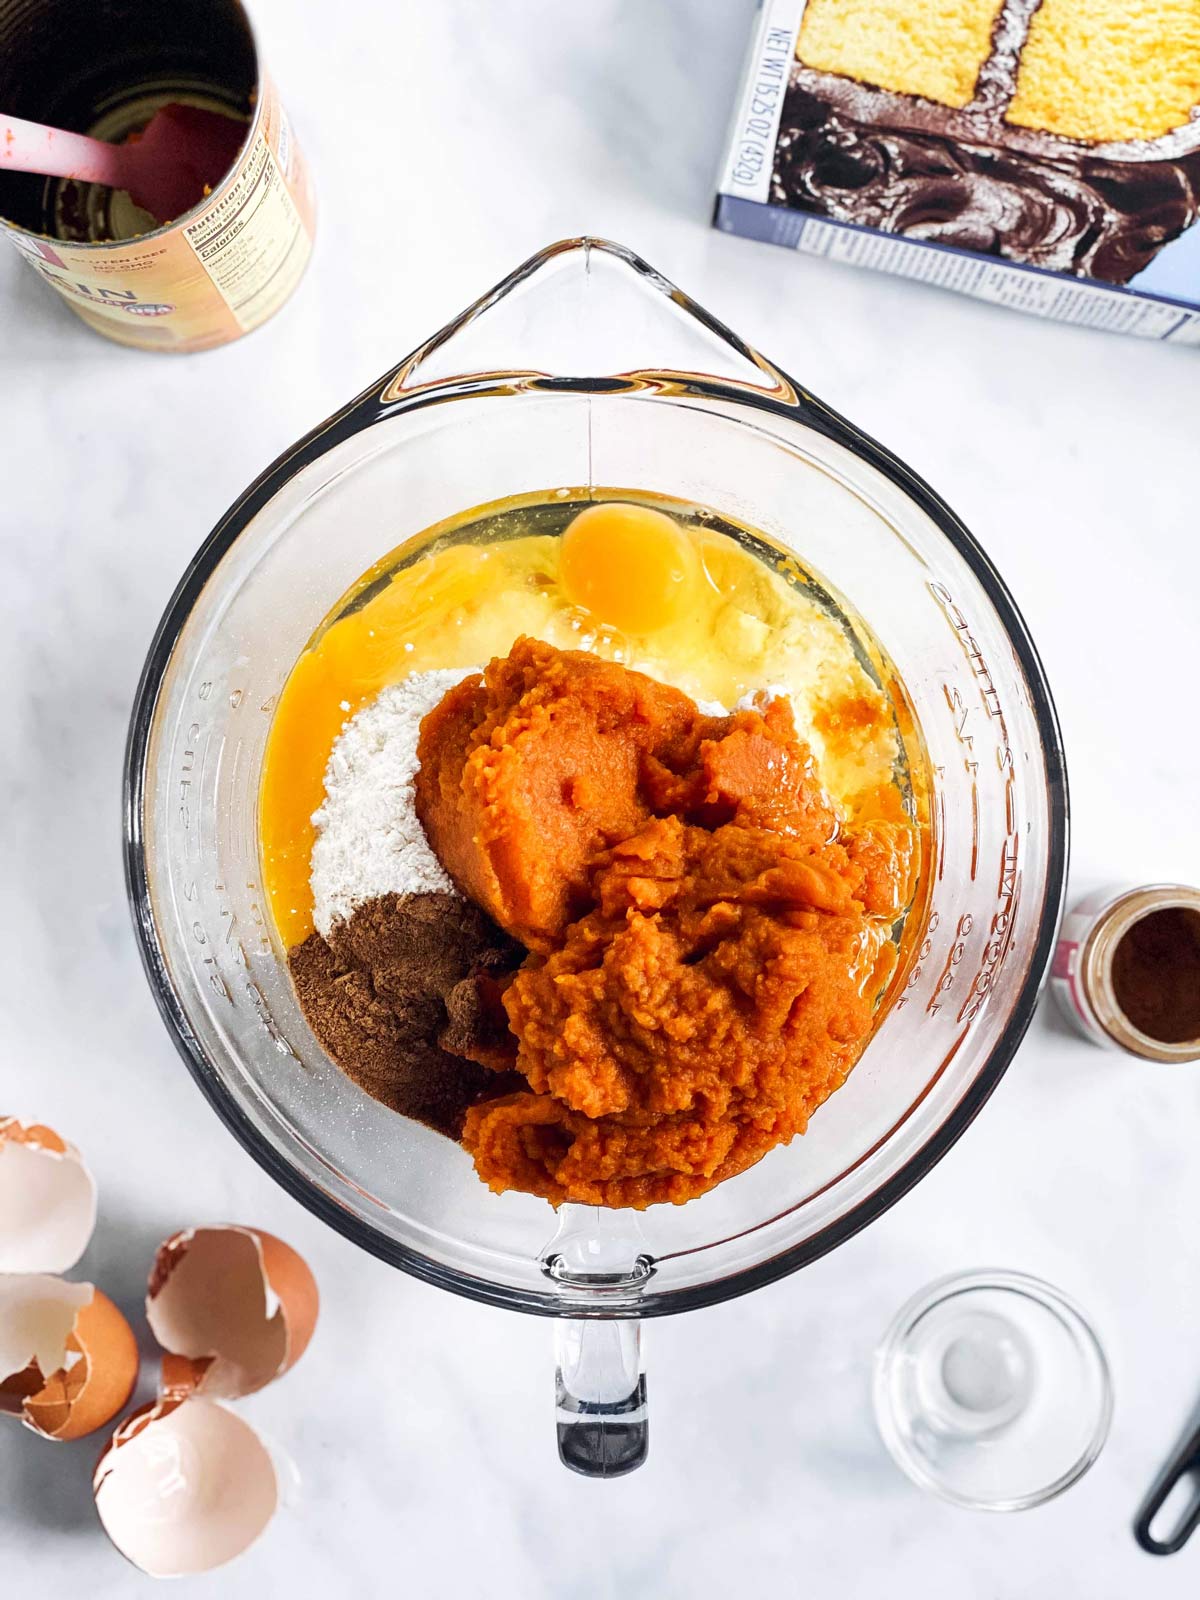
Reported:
(601, 1417)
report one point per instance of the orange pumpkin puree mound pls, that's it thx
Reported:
(527, 772)
(706, 945)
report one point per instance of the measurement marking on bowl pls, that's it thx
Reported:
(231, 943)
(244, 823)
(209, 961)
(216, 761)
(185, 782)
(1000, 931)
(265, 947)
(923, 955)
(948, 974)
(278, 1038)
(940, 820)
(971, 648)
(995, 952)
(960, 713)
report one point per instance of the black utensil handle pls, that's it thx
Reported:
(1185, 1460)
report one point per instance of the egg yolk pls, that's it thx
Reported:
(629, 566)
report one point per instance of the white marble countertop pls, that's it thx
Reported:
(449, 141)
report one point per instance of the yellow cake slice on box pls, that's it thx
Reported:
(1057, 134)
(931, 48)
(1109, 70)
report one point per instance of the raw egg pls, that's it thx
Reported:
(630, 566)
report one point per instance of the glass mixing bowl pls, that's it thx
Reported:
(586, 367)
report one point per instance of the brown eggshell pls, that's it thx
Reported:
(68, 1359)
(75, 1401)
(47, 1200)
(180, 1375)
(35, 1133)
(291, 1278)
(234, 1308)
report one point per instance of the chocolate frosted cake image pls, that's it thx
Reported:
(1061, 134)
(1038, 154)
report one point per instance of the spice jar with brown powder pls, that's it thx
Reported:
(1127, 970)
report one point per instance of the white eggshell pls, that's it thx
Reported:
(184, 1487)
(37, 1316)
(47, 1200)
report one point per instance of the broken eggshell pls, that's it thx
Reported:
(184, 1486)
(47, 1199)
(234, 1308)
(68, 1358)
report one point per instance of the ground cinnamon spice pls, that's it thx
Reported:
(405, 997)
(1156, 975)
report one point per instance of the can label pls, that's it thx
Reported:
(1066, 974)
(210, 278)
(1068, 990)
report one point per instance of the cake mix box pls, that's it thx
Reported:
(1041, 154)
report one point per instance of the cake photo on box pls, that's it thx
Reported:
(1062, 134)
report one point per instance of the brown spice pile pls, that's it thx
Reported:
(1156, 975)
(405, 997)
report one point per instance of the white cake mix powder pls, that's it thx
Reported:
(369, 841)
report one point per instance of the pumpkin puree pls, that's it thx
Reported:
(706, 944)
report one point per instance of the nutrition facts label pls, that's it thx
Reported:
(1045, 294)
(252, 243)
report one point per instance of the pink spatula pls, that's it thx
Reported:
(182, 152)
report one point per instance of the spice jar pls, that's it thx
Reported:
(1126, 970)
